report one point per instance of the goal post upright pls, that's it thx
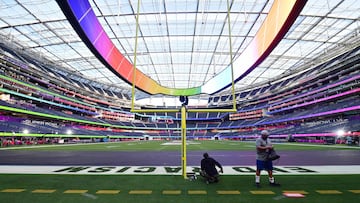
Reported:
(183, 141)
(183, 108)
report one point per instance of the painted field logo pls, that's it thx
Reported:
(173, 170)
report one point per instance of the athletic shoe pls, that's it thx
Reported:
(258, 185)
(274, 184)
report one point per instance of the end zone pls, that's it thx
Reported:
(174, 170)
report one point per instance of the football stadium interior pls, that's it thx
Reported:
(56, 83)
(97, 96)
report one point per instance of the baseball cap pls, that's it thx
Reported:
(264, 132)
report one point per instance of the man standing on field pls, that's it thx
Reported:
(263, 146)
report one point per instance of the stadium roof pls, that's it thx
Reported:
(181, 43)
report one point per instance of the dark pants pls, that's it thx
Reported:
(210, 178)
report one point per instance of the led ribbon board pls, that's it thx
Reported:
(278, 21)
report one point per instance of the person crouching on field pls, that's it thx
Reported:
(208, 169)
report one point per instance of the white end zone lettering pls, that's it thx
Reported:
(173, 170)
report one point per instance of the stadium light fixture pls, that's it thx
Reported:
(340, 132)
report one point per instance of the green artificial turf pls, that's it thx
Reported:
(343, 188)
(23, 188)
(170, 146)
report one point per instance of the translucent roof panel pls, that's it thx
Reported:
(181, 43)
